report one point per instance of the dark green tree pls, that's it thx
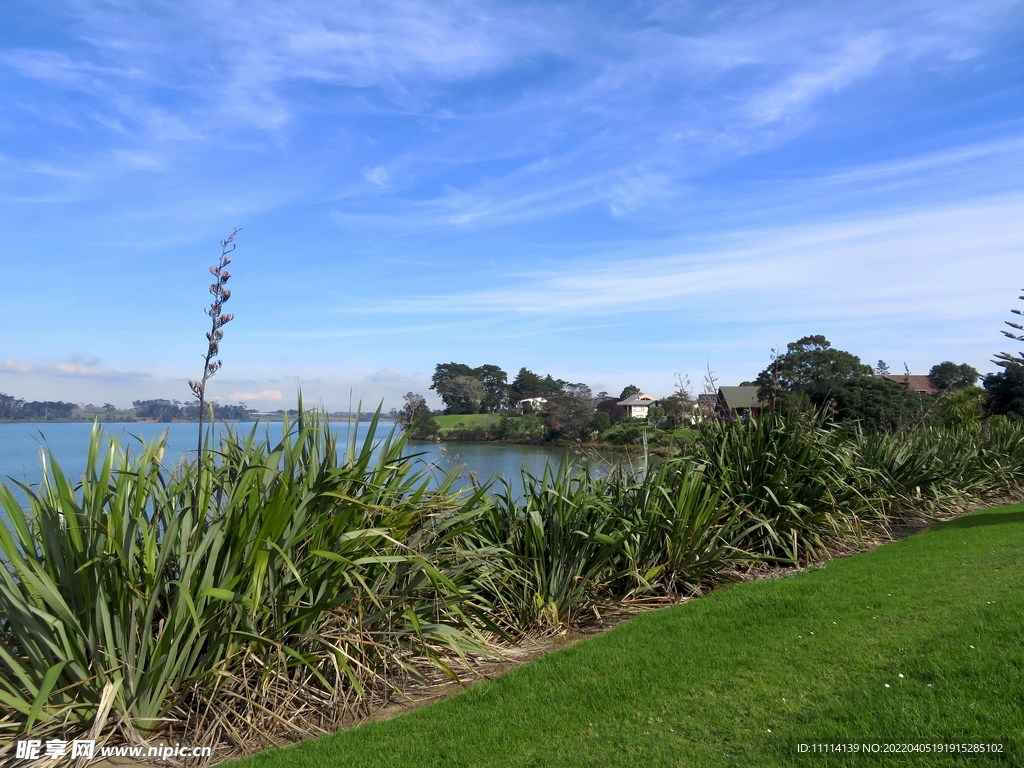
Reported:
(570, 411)
(950, 376)
(628, 391)
(495, 384)
(529, 384)
(10, 406)
(444, 373)
(1006, 391)
(46, 410)
(809, 362)
(876, 403)
(599, 422)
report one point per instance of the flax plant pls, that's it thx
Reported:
(314, 574)
(796, 482)
(561, 537)
(681, 535)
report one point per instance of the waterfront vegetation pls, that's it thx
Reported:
(284, 588)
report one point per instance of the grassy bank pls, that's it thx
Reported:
(466, 421)
(919, 642)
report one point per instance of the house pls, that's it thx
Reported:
(637, 405)
(531, 404)
(738, 402)
(913, 381)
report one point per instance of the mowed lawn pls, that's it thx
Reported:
(917, 642)
(466, 420)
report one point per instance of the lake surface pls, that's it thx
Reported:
(21, 443)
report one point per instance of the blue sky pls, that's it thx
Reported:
(608, 192)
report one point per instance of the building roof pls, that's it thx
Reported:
(916, 381)
(641, 398)
(739, 397)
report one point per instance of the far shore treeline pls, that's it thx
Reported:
(161, 411)
(480, 403)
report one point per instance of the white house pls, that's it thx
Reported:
(637, 405)
(531, 404)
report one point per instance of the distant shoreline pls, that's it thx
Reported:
(98, 418)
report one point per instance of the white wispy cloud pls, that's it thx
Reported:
(652, 94)
(77, 366)
(895, 264)
(378, 175)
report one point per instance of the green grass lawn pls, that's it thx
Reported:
(466, 420)
(919, 641)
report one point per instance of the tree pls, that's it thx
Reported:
(232, 412)
(876, 403)
(441, 382)
(655, 414)
(414, 403)
(808, 362)
(464, 394)
(416, 418)
(679, 406)
(529, 384)
(1006, 359)
(628, 391)
(1006, 391)
(571, 411)
(164, 411)
(882, 369)
(495, 384)
(950, 376)
(10, 406)
(445, 372)
(599, 422)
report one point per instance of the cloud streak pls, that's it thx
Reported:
(806, 271)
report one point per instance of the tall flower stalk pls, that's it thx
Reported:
(218, 319)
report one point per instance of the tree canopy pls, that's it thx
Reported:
(876, 403)
(628, 391)
(415, 417)
(529, 384)
(808, 362)
(1006, 391)
(950, 376)
(16, 409)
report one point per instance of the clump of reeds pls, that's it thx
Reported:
(314, 575)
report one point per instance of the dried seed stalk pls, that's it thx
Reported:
(218, 319)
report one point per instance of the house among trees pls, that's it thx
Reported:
(738, 403)
(915, 382)
(636, 406)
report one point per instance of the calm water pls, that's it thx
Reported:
(20, 446)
